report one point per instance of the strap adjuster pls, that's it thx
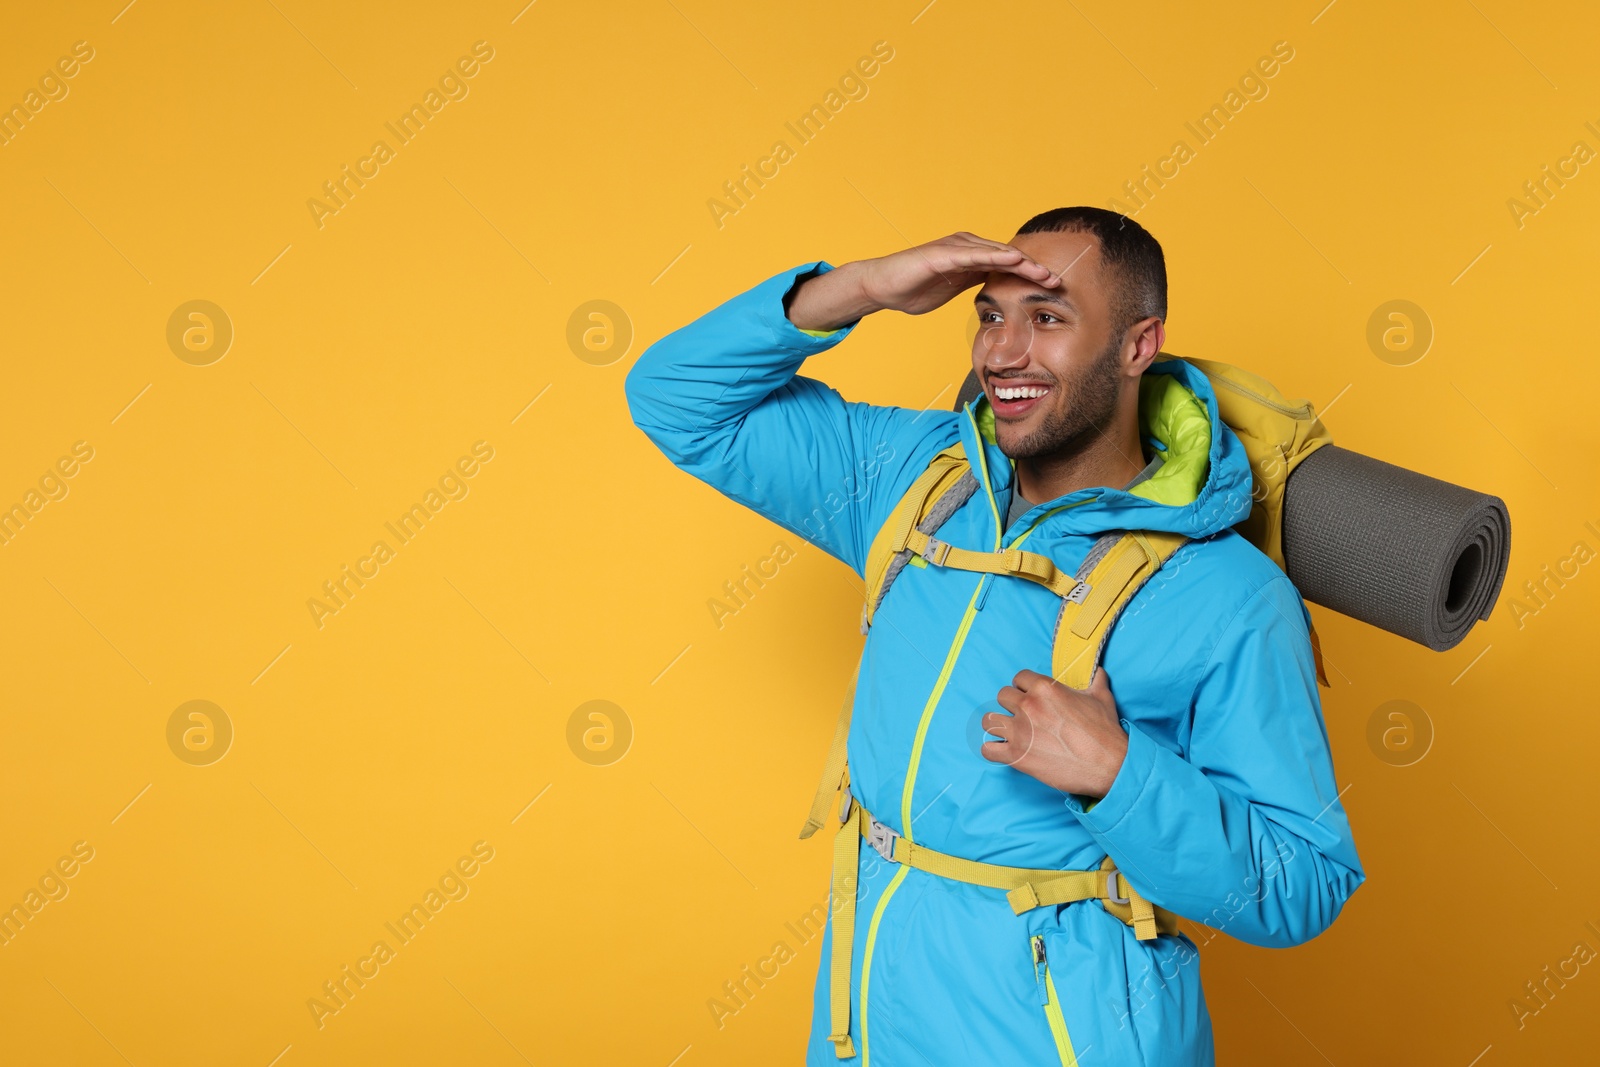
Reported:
(1111, 887)
(936, 551)
(1080, 593)
(882, 839)
(844, 807)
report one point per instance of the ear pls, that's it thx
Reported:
(1145, 339)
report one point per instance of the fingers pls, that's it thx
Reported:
(999, 752)
(997, 724)
(988, 258)
(971, 251)
(1031, 270)
(1013, 739)
(1026, 680)
(973, 238)
(1010, 698)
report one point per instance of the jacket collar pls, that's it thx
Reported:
(1223, 500)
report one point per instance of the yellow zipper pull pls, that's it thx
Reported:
(1040, 970)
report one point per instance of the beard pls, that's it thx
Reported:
(1086, 407)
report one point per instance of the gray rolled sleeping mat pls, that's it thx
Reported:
(1407, 553)
(1387, 546)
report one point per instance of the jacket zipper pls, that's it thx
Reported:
(1052, 1004)
(916, 758)
(905, 813)
(979, 594)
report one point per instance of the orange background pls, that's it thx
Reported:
(431, 712)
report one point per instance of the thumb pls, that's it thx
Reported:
(1099, 694)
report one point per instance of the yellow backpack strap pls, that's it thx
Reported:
(1116, 568)
(846, 860)
(833, 770)
(846, 849)
(1126, 904)
(925, 500)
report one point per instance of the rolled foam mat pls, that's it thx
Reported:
(1398, 550)
(1407, 553)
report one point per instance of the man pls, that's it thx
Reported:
(1197, 758)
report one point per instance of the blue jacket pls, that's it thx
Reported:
(1226, 809)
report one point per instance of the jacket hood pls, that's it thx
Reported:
(1202, 487)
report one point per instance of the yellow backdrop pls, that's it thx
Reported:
(287, 282)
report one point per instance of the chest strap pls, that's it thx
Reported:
(1008, 561)
(1025, 890)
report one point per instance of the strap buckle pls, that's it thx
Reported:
(882, 839)
(936, 551)
(1112, 885)
(1080, 592)
(844, 806)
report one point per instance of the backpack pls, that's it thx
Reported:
(1277, 434)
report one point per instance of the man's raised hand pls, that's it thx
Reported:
(915, 280)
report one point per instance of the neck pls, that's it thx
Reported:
(1112, 457)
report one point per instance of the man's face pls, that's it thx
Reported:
(1047, 358)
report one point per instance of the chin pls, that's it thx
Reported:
(1012, 444)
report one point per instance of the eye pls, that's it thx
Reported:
(1047, 315)
(983, 316)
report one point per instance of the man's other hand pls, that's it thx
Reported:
(1067, 738)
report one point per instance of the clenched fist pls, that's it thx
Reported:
(1067, 738)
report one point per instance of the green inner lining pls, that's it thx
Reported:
(1172, 417)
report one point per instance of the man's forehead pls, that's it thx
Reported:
(1065, 252)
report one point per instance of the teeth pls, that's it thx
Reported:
(1020, 392)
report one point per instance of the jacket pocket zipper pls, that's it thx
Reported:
(1052, 1004)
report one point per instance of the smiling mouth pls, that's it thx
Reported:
(1011, 399)
(1020, 392)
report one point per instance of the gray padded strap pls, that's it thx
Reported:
(946, 506)
(1097, 552)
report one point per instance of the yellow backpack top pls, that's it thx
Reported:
(1277, 435)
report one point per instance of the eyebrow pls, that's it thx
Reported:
(1031, 298)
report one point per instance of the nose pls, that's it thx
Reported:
(1005, 345)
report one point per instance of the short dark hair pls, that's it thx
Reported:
(1130, 257)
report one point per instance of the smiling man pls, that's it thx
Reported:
(1191, 777)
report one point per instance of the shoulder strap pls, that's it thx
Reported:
(833, 770)
(936, 493)
(1116, 568)
(1112, 573)
(933, 497)
(944, 486)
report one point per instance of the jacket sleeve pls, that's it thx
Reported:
(1247, 834)
(721, 397)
